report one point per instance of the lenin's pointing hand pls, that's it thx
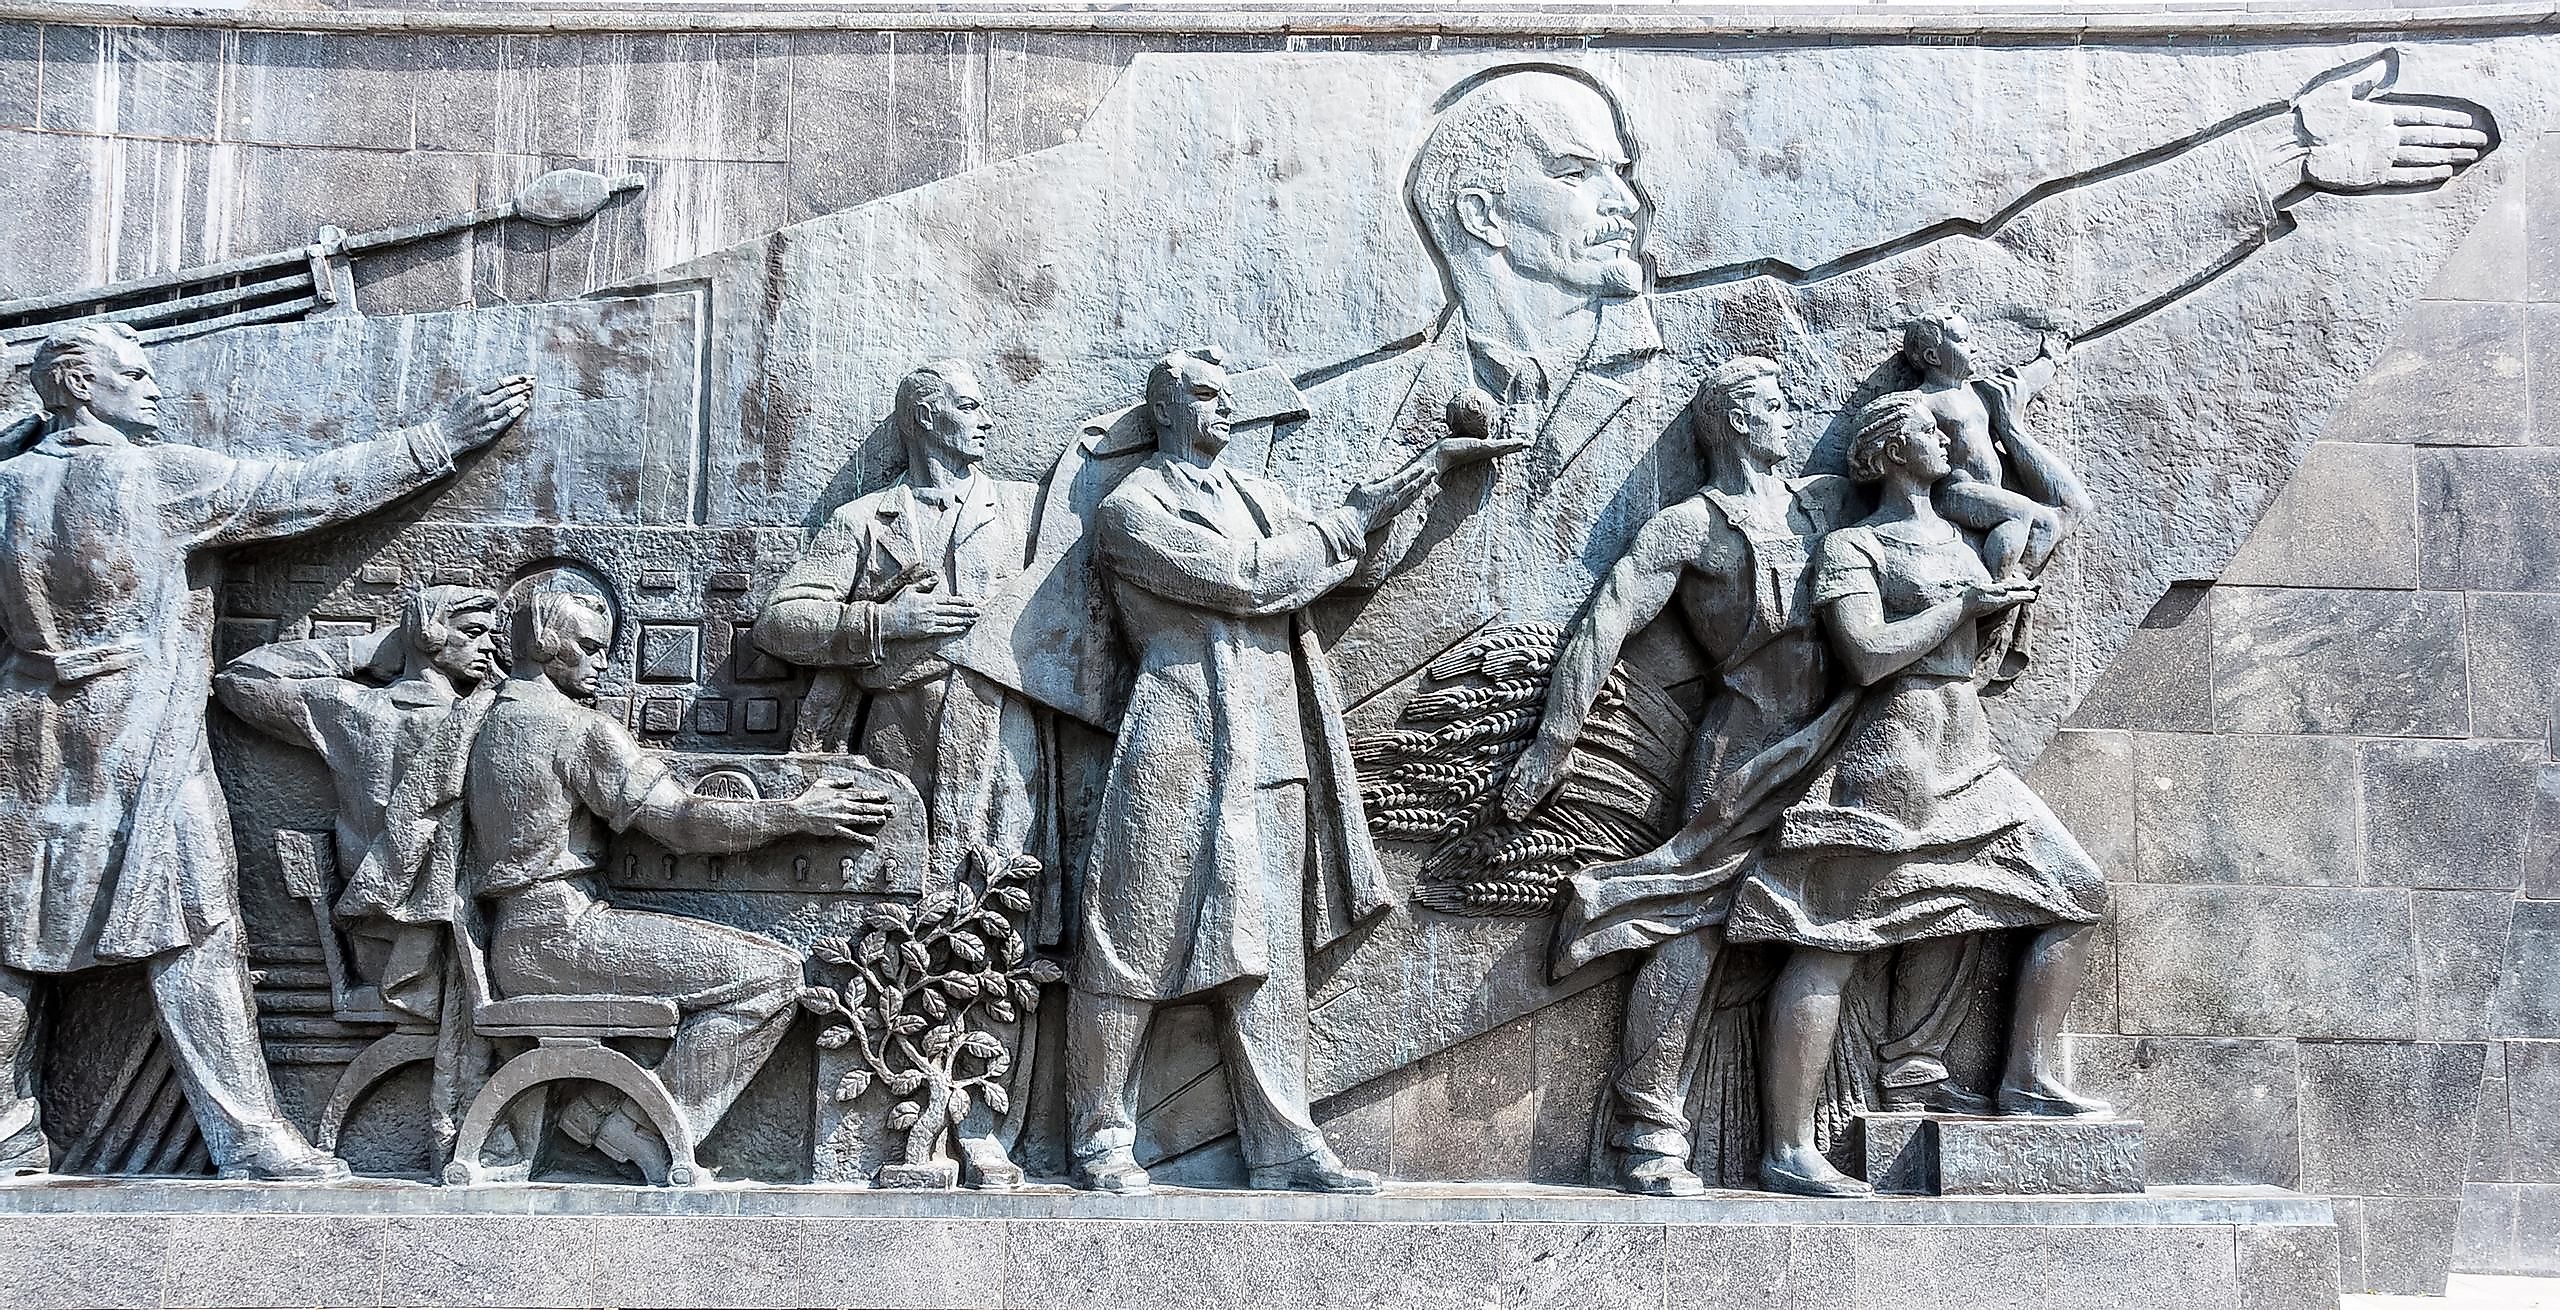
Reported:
(2361, 141)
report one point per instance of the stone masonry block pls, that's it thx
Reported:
(325, 89)
(2388, 1118)
(2376, 663)
(2162, 678)
(2533, 1111)
(2401, 1246)
(2347, 519)
(2454, 375)
(21, 65)
(2542, 848)
(2528, 1000)
(2238, 809)
(2542, 344)
(133, 81)
(2489, 520)
(2487, 264)
(1947, 1155)
(2542, 225)
(2448, 813)
(2462, 943)
(2220, 1111)
(874, 113)
(2266, 961)
(2087, 777)
(2515, 682)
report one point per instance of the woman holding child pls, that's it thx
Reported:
(1914, 829)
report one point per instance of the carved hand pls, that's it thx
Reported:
(2359, 143)
(478, 418)
(1535, 776)
(924, 611)
(1376, 502)
(1992, 597)
(1455, 453)
(834, 808)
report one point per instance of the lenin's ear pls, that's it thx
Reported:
(1476, 213)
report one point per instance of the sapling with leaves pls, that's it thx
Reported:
(923, 985)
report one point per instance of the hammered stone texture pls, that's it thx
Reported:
(2391, 1120)
(2220, 1111)
(2266, 961)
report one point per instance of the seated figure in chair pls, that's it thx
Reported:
(374, 708)
(549, 778)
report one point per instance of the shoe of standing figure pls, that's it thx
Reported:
(1316, 1171)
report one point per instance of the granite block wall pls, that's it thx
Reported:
(2328, 782)
(2337, 772)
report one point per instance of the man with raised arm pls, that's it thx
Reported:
(116, 842)
(1229, 838)
(1734, 560)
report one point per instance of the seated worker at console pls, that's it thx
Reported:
(548, 777)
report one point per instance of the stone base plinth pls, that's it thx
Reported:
(1964, 1155)
(166, 1243)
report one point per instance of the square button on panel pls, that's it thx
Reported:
(670, 652)
(711, 715)
(764, 714)
(753, 664)
(661, 714)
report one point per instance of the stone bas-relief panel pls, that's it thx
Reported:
(894, 704)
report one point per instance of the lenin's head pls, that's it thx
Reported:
(1528, 174)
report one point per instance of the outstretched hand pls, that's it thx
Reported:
(1376, 502)
(2361, 142)
(1986, 598)
(833, 807)
(476, 419)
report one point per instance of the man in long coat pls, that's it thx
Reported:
(1230, 819)
(116, 843)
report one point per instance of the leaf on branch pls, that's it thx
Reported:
(820, 1000)
(983, 1045)
(998, 1067)
(915, 956)
(875, 947)
(1026, 994)
(933, 1004)
(1001, 1011)
(907, 1025)
(962, 985)
(885, 915)
(936, 907)
(856, 991)
(1009, 949)
(1011, 898)
(996, 1098)
(854, 1083)
(968, 947)
(940, 1040)
(958, 1107)
(905, 1114)
(835, 1037)
(1047, 971)
(905, 1082)
(833, 950)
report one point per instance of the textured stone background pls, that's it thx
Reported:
(2326, 783)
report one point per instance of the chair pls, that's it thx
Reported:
(310, 864)
(568, 1036)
